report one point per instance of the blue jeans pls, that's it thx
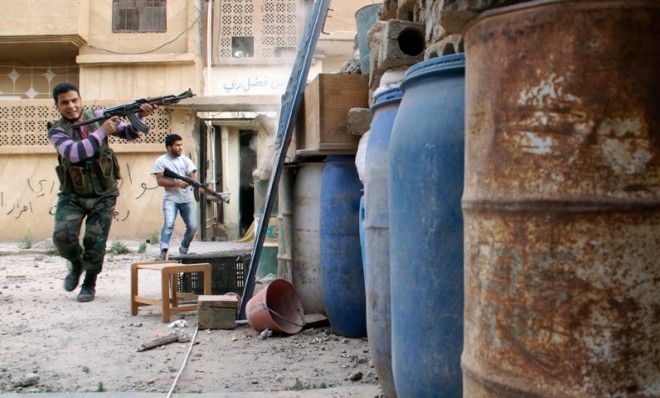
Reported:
(188, 215)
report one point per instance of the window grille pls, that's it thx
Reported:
(273, 26)
(236, 21)
(280, 26)
(23, 124)
(139, 16)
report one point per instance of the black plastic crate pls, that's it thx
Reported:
(227, 273)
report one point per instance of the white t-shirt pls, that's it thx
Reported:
(182, 166)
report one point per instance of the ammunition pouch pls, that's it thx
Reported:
(108, 169)
(94, 176)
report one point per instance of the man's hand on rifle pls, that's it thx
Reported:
(110, 125)
(181, 184)
(147, 109)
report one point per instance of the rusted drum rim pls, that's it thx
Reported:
(576, 3)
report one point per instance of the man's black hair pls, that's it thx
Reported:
(64, 88)
(170, 139)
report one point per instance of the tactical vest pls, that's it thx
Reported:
(92, 176)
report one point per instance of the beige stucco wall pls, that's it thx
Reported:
(342, 15)
(137, 65)
(136, 81)
(45, 17)
(180, 15)
(28, 199)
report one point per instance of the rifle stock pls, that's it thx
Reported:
(224, 196)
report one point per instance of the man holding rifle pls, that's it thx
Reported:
(88, 172)
(178, 196)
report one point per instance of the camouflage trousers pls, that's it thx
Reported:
(71, 210)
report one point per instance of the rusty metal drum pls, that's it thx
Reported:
(562, 200)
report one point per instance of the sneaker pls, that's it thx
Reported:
(163, 255)
(183, 250)
(86, 294)
(73, 277)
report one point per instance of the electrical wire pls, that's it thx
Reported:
(155, 49)
(183, 365)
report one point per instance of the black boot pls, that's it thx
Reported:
(71, 279)
(87, 290)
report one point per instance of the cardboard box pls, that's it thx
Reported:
(217, 312)
(327, 101)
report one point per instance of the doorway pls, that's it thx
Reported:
(248, 162)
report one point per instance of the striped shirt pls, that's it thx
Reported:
(75, 151)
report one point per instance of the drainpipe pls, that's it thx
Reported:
(209, 38)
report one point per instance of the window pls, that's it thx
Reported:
(242, 47)
(139, 16)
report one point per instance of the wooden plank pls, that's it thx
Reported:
(146, 301)
(218, 301)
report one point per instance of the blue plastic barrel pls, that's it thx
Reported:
(362, 238)
(426, 229)
(365, 17)
(342, 280)
(377, 239)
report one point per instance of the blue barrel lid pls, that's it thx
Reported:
(445, 63)
(387, 97)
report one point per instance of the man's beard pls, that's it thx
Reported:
(72, 120)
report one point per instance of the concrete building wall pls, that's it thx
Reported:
(45, 17)
(231, 178)
(27, 204)
(136, 81)
(137, 65)
(180, 16)
(343, 15)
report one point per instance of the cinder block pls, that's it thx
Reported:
(405, 10)
(375, 37)
(359, 120)
(402, 44)
(451, 44)
(217, 312)
(389, 10)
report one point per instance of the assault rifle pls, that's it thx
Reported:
(130, 110)
(224, 196)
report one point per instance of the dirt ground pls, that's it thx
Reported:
(52, 343)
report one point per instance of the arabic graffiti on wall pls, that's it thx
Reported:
(36, 191)
(253, 84)
(18, 208)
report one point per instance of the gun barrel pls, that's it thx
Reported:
(127, 109)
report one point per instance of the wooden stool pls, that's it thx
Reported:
(169, 283)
